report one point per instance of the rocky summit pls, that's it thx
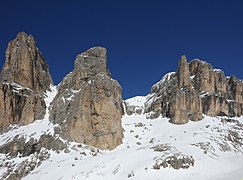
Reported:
(193, 90)
(24, 79)
(65, 131)
(88, 105)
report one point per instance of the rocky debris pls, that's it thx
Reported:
(88, 106)
(20, 147)
(175, 161)
(171, 157)
(23, 80)
(206, 147)
(195, 89)
(31, 152)
(134, 105)
(227, 120)
(227, 140)
(235, 138)
(130, 175)
(19, 105)
(16, 171)
(161, 147)
(139, 124)
(131, 109)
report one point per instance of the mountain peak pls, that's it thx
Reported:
(25, 64)
(92, 62)
(24, 79)
(196, 89)
(183, 73)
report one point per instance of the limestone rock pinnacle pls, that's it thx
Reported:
(23, 80)
(183, 74)
(196, 89)
(88, 106)
(25, 65)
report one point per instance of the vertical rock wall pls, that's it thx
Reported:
(88, 106)
(23, 80)
(195, 89)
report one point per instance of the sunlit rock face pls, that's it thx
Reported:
(24, 79)
(193, 90)
(88, 105)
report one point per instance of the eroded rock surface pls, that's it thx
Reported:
(195, 89)
(88, 106)
(23, 80)
(134, 105)
(25, 64)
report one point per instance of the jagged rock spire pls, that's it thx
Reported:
(23, 80)
(25, 64)
(212, 94)
(183, 74)
(93, 113)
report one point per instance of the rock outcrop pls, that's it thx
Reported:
(24, 79)
(25, 65)
(184, 74)
(135, 105)
(195, 89)
(88, 106)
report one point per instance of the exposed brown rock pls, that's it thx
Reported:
(25, 65)
(203, 76)
(183, 74)
(134, 105)
(185, 106)
(19, 105)
(195, 89)
(88, 106)
(23, 80)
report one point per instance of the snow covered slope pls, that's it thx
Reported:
(153, 149)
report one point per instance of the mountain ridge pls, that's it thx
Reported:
(84, 124)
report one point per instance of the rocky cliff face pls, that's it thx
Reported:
(23, 80)
(88, 106)
(25, 65)
(195, 89)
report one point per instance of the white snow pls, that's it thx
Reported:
(70, 98)
(138, 160)
(218, 70)
(166, 77)
(75, 91)
(136, 101)
(35, 129)
(134, 159)
(17, 87)
(192, 77)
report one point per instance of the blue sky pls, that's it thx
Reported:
(144, 39)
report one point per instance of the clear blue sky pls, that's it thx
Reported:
(144, 38)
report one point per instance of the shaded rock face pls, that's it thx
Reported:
(88, 106)
(19, 105)
(25, 65)
(35, 149)
(195, 89)
(19, 147)
(23, 80)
